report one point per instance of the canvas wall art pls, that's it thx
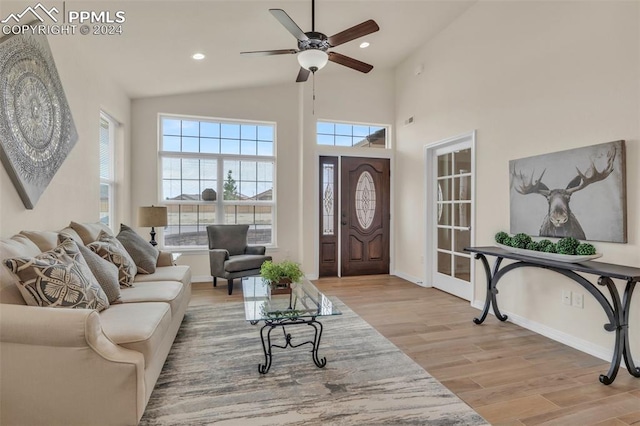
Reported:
(579, 193)
(36, 127)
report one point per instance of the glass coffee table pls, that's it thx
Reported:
(301, 306)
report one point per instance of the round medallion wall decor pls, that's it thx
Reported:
(35, 121)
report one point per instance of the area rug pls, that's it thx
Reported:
(211, 377)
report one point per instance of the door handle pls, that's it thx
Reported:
(344, 222)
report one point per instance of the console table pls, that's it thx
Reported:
(617, 310)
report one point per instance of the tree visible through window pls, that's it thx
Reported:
(203, 158)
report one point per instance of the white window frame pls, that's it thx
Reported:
(111, 180)
(221, 175)
(354, 124)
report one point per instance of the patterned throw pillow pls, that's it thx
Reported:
(143, 254)
(58, 278)
(109, 248)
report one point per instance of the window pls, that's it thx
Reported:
(351, 135)
(216, 172)
(107, 180)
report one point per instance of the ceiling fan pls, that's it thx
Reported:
(313, 46)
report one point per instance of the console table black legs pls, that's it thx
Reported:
(267, 345)
(617, 310)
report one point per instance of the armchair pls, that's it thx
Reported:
(229, 255)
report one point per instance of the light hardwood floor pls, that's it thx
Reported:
(508, 374)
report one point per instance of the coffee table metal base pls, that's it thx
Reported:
(267, 345)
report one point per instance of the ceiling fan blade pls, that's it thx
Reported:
(270, 52)
(289, 24)
(349, 62)
(303, 75)
(367, 27)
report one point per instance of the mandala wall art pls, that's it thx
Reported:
(36, 127)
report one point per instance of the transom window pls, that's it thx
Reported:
(351, 135)
(216, 171)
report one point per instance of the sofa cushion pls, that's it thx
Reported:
(16, 246)
(58, 278)
(137, 326)
(170, 292)
(143, 254)
(89, 231)
(180, 273)
(109, 248)
(45, 240)
(244, 262)
(106, 274)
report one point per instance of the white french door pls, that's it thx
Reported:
(451, 214)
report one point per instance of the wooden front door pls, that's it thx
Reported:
(365, 216)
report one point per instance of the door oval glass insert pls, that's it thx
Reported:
(365, 200)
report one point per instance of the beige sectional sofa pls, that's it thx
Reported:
(78, 366)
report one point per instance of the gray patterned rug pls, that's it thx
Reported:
(211, 377)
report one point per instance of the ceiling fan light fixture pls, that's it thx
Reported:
(313, 59)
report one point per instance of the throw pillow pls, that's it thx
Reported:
(106, 273)
(89, 231)
(109, 248)
(143, 254)
(58, 278)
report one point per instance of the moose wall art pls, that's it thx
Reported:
(578, 193)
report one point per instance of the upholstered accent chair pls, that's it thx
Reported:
(230, 256)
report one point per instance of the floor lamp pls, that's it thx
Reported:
(151, 217)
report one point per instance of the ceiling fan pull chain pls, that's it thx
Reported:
(313, 108)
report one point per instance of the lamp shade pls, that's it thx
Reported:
(152, 216)
(313, 59)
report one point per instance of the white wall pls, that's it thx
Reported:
(532, 78)
(73, 194)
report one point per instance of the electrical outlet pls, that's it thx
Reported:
(577, 300)
(567, 298)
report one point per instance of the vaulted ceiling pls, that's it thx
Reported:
(153, 55)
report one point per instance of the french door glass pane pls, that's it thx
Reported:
(444, 238)
(444, 214)
(444, 190)
(461, 188)
(463, 161)
(444, 263)
(444, 165)
(462, 267)
(461, 214)
(462, 239)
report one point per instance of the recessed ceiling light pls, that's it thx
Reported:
(198, 56)
(364, 44)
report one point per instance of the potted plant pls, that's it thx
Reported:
(281, 275)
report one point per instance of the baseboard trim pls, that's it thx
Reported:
(410, 278)
(202, 279)
(557, 335)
